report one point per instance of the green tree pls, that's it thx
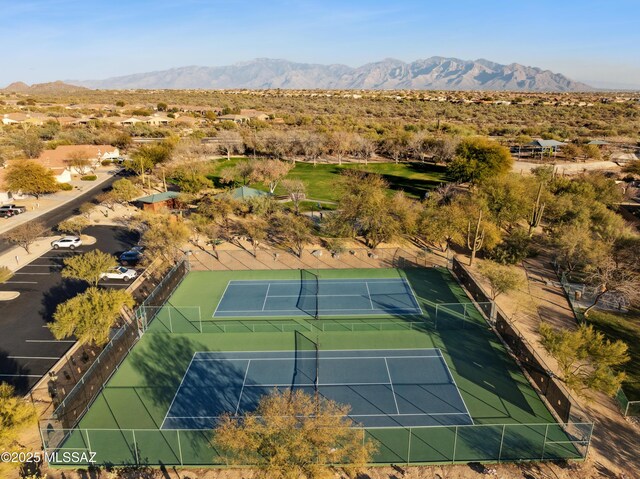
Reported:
(502, 279)
(30, 144)
(26, 234)
(165, 236)
(162, 106)
(88, 266)
(124, 190)
(90, 316)
(256, 229)
(148, 156)
(587, 360)
(365, 209)
(74, 226)
(292, 231)
(16, 415)
(294, 435)
(479, 158)
(30, 178)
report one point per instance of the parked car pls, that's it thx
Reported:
(71, 242)
(131, 257)
(6, 214)
(13, 209)
(119, 272)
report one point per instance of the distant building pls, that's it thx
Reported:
(243, 193)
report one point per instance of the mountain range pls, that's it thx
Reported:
(435, 73)
(52, 87)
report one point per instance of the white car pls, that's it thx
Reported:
(71, 242)
(119, 272)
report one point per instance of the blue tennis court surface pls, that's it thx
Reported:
(324, 297)
(385, 388)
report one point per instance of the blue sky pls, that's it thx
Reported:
(44, 40)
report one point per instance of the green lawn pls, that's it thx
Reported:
(413, 178)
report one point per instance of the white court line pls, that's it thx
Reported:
(318, 295)
(393, 391)
(312, 385)
(355, 415)
(178, 390)
(413, 293)
(369, 294)
(49, 341)
(266, 296)
(44, 358)
(246, 373)
(335, 358)
(221, 298)
(300, 311)
(253, 282)
(446, 366)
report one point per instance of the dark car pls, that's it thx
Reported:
(6, 213)
(131, 257)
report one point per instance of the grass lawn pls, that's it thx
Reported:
(626, 328)
(413, 178)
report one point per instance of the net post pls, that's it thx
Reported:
(455, 444)
(544, 443)
(504, 426)
(135, 446)
(86, 432)
(179, 447)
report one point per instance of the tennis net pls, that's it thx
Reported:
(307, 361)
(308, 296)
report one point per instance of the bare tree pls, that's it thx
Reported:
(26, 234)
(296, 190)
(230, 141)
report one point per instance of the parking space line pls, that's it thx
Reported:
(21, 375)
(49, 341)
(32, 273)
(44, 358)
(20, 282)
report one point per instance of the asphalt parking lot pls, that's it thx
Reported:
(27, 347)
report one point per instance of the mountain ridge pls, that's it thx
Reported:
(434, 73)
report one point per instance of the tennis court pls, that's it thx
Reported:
(311, 296)
(385, 388)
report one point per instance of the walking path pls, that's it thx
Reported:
(615, 440)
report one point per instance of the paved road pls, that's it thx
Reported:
(54, 217)
(27, 347)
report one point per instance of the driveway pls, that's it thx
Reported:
(27, 347)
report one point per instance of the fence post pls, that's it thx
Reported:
(200, 317)
(170, 321)
(409, 448)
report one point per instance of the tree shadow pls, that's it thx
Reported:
(58, 294)
(10, 366)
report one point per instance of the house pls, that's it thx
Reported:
(58, 159)
(158, 120)
(234, 118)
(254, 114)
(159, 201)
